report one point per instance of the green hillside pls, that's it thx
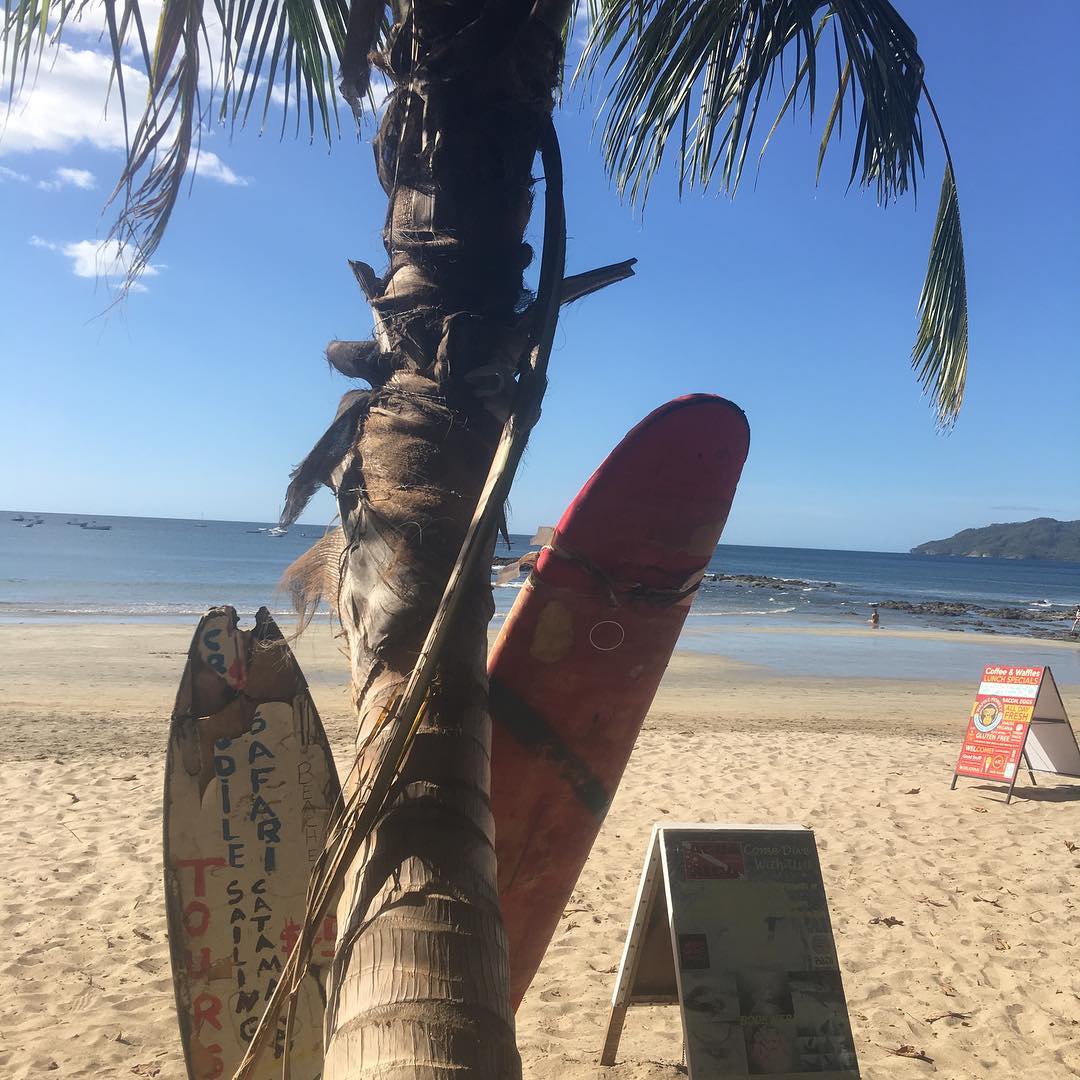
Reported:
(1042, 538)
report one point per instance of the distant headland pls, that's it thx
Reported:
(1040, 538)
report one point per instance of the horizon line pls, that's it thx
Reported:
(324, 525)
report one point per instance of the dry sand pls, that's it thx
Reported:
(983, 974)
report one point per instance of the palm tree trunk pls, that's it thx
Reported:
(419, 986)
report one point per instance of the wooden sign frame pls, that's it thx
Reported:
(694, 890)
(1048, 742)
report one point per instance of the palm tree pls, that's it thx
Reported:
(421, 460)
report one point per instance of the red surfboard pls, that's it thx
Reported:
(579, 658)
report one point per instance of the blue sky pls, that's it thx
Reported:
(798, 302)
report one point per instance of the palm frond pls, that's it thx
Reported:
(242, 51)
(940, 354)
(699, 72)
(695, 74)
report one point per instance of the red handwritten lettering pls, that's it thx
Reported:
(202, 970)
(199, 866)
(327, 936)
(196, 918)
(289, 936)
(206, 1008)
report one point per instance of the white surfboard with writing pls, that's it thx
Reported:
(249, 786)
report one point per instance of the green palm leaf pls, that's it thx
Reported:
(694, 74)
(940, 354)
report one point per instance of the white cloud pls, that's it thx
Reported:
(12, 176)
(97, 259)
(80, 178)
(209, 165)
(64, 107)
(92, 23)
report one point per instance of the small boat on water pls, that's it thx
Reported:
(18, 517)
(277, 530)
(94, 526)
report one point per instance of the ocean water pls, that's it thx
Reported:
(171, 570)
(163, 567)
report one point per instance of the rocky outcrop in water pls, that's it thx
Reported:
(955, 608)
(758, 581)
(1024, 619)
(1034, 622)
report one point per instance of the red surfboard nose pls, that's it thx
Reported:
(658, 503)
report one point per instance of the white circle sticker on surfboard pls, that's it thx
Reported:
(607, 635)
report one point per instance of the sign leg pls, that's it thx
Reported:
(1022, 758)
(648, 895)
(955, 777)
(1031, 771)
(614, 1034)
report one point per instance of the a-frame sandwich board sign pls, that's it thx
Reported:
(731, 924)
(1018, 718)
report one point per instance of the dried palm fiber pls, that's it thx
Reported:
(316, 576)
(360, 360)
(406, 497)
(327, 454)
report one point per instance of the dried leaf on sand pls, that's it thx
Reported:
(948, 1016)
(910, 1052)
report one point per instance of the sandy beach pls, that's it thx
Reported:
(982, 973)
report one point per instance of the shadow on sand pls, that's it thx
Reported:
(1056, 793)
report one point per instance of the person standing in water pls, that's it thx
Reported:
(875, 619)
